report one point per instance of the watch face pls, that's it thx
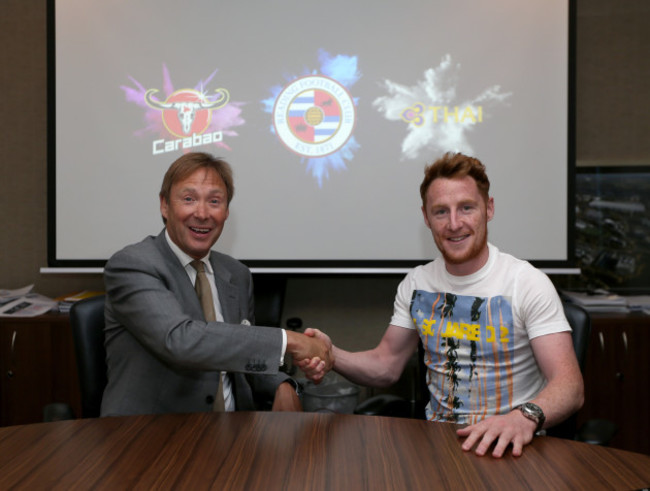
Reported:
(533, 410)
(534, 413)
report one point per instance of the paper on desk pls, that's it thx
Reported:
(598, 301)
(7, 296)
(29, 305)
(599, 298)
(639, 302)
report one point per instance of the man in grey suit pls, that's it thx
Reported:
(162, 354)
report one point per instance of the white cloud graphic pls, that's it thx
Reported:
(437, 118)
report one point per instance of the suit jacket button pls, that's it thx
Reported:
(209, 399)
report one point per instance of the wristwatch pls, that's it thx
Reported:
(534, 413)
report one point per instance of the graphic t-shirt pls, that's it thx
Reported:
(476, 333)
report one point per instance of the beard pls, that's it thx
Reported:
(478, 246)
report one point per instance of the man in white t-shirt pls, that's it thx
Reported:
(498, 348)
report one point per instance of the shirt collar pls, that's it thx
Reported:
(183, 257)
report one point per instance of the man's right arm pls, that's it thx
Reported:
(378, 367)
(148, 296)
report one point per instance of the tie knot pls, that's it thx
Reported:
(198, 265)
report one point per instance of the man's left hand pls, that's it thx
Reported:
(512, 428)
(286, 399)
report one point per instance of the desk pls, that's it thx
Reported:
(617, 377)
(293, 451)
(37, 367)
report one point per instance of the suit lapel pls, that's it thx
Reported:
(182, 285)
(228, 294)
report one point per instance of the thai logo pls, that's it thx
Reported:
(437, 116)
(314, 116)
(186, 111)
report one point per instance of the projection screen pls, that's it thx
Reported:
(328, 113)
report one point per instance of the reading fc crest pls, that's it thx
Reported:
(314, 116)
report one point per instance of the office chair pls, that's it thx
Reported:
(87, 321)
(399, 407)
(580, 323)
(595, 431)
(269, 292)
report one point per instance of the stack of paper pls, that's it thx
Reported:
(639, 303)
(598, 301)
(24, 303)
(66, 301)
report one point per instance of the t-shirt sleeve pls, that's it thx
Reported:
(402, 306)
(541, 308)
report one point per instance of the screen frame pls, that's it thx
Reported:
(309, 267)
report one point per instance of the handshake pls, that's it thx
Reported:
(312, 352)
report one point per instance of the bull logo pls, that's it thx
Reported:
(187, 111)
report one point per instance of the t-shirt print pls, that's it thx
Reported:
(468, 343)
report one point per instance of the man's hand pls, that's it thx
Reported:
(313, 355)
(286, 399)
(315, 369)
(512, 428)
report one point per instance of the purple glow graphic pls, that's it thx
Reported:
(344, 70)
(223, 119)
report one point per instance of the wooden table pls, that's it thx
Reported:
(292, 451)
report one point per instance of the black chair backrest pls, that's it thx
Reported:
(87, 321)
(580, 323)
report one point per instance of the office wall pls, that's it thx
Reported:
(613, 94)
(23, 152)
(613, 125)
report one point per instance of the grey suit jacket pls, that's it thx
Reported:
(162, 356)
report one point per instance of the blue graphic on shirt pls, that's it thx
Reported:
(468, 345)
